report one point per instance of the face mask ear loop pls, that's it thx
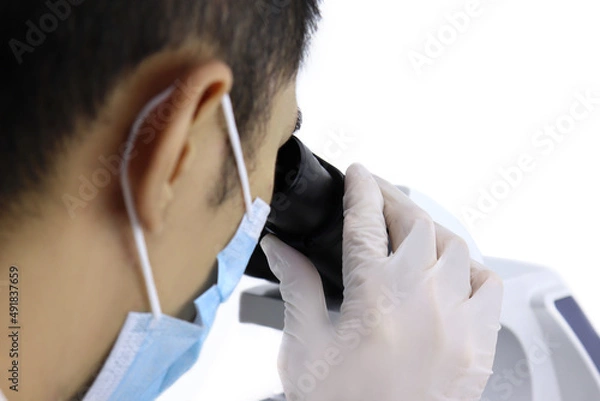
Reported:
(138, 233)
(234, 138)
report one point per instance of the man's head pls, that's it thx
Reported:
(78, 73)
(64, 59)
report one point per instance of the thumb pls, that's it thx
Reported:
(301, 289)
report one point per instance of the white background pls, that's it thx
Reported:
(446, 130)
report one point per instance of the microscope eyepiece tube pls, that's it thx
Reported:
(307, 214)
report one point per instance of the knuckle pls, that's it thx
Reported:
(458, 244)
(424, 223)
(359, 282)
(494, 279)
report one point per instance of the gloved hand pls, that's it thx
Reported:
(419, 324)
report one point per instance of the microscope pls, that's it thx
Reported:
(547, 349)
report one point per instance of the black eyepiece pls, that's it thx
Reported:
(307, 214)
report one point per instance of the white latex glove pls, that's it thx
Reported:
(420, 324)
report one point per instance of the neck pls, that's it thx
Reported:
(74, 295)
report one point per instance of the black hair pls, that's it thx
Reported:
(61, 58)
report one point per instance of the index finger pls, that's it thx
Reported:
(364, 235)
(403, 216)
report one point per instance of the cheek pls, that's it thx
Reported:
(263, 177)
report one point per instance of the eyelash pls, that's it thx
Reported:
(298, 122)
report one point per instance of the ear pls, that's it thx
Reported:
(163, 149)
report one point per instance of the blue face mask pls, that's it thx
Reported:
(154, 350)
